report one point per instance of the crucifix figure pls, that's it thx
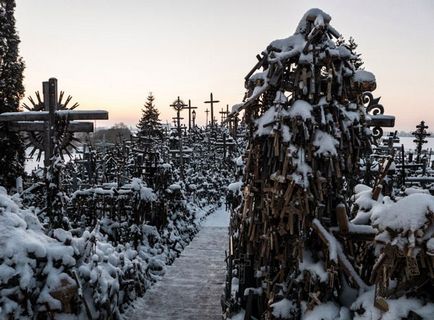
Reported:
(179, 105)
(211, 102)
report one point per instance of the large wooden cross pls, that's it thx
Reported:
(51, 123)
(211, 101)
(179, 105)
(46, 121)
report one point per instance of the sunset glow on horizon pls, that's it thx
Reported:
(111, 54)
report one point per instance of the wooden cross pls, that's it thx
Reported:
(211, 101)
(189, 114)
(45, 121)
(179, 105)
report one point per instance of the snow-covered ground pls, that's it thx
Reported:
(220, 218)
(193, 284)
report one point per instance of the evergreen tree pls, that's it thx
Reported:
(149, 124)
(11, 91)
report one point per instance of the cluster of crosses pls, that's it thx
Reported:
(220, 138)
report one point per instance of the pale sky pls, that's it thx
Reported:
(109, 54)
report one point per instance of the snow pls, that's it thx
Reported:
(325, 311)
(282, 309)
(315, 268)
(219, 218)
(412, 190)
(332, 242)
(302, 109)
(326, 144)
(363, 76)
(300, 176)
(235, 187)
(266, 118)
(407, 214)
(398, 308)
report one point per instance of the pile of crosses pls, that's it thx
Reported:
(292, 246)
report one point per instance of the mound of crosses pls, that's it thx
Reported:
(292, 247)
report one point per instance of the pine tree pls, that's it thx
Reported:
(11, 91)
(149, 125)
(352, 45)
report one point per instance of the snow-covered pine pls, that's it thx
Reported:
(11, 91)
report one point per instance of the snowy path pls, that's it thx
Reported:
(193, 284)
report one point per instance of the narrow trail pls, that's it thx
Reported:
(193, 284)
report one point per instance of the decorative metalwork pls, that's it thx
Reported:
(36, 139)
(371, 104)
(373, 108)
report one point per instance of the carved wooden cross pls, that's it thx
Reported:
(211, 102)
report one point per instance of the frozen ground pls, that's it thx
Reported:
(193, 284)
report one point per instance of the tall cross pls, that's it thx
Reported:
(51, 123)
(45, 121)
(211, 101)
(179, 105)
(189, 114)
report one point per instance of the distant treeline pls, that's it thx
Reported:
(115, 134)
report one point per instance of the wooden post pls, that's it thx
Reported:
(207, 112)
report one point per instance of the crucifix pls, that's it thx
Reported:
(211, 101)
(179, 105)
(52, 130)
(189, 114)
